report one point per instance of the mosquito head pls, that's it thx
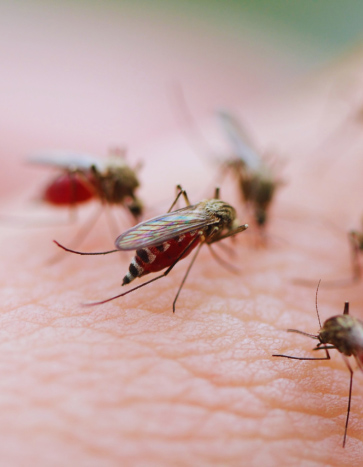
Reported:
(136, 208)
(345, 333)
(224, 211)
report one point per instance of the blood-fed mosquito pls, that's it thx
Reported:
(83, 177)
(343, 333)
(161, 242)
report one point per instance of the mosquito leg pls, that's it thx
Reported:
(349, 398)
(86, 228)
(185, 196)
(189, 246)
(180, 193)
(73, 213)
(186, 275)
(230, 251)
(113, 227)
(324, 347)
(224, 263)
(81, 235)
(302, 358)
(327, 357)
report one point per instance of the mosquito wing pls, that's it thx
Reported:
(239, 140)
(66, 160)
(163, 228)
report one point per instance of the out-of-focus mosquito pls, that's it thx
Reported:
(81, 178)
(257, 175)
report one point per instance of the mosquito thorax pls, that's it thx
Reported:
(220, 209)
(343, 332)
(116, 183)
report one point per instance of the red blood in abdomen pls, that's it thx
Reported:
(68, 189)
(164, 259)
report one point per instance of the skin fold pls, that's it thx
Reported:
(131, 383)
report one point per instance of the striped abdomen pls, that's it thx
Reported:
(159, 257)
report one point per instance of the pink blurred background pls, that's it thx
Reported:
(89, 75)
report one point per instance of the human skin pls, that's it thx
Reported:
(131, 383)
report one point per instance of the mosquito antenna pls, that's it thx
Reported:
(122, 294)
(183, 113)
(83, 252)
(313, 336)
(316, 302)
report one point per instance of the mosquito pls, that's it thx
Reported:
(163, 241)
(343, 333)
(257, 177)
(83, 177)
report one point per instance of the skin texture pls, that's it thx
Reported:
(129, 383)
